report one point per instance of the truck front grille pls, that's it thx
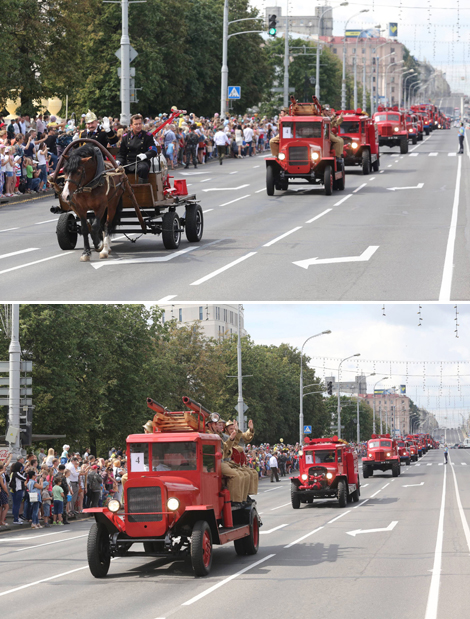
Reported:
(142, 502)
(298, 155)
(386, 130)
(379, 456)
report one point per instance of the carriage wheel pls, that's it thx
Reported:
(67, 231)
(194, 223)
(171, 230)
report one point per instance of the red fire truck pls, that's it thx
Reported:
(391, 124)
(305, 152)
(382, 455)
(175, 502)
(361, 140)
(328, 468)
(404, 451)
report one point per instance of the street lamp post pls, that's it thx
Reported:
(374, 51)
(378, 59)
(339, 390)
(301, 414)
(373, 418)
(317, 72)
(386, 71)
(401, 85)
(358, 429)
(343, 83)
(416, 86)
(413, 74)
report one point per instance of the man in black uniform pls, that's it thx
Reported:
(136, 148)
(191, 141)
(101, 133)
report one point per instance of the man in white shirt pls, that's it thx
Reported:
(274, 468)
(221, 140)
(248, 136)
(74, 469)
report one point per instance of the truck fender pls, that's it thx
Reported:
(106, 518)
(272, 162)
(296, 481)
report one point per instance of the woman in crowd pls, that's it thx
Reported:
(42, 156)
(3, 496)
(34, 488)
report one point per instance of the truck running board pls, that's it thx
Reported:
(229, 535)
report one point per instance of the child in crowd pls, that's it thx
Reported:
(58, 496)
(32, 183)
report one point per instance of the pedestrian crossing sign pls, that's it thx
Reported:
(234, 92)
(307, 429)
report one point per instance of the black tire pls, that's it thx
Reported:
(194, 223)
(376, 165)
(66, 231)
(171, 230)
(294, 497)
(365, 162)
(341, 184)
(395, 469)
(201, 548)
(426, 130)
(328, 180)
(270, 182)
(408, 461)
(365, 472)
(404, 146)
(414, 140)
(357, 493)
(284, 185)
(249, 545)
(342, 493)
(98, 550)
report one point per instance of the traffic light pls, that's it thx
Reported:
(329, 386)
(272, 25)
(26, 425)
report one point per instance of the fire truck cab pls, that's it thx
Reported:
(305, 152)
(404, 451)
(391, 124)
(382, 455)
(174, 500)
(361, 140)
(328, 468)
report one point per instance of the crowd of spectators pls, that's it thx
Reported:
(30, 146)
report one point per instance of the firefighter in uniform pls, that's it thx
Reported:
(274, 142)
(337, 142)
(230, 428)
(235, 481)
(242, 439)
(137, 149)
(101, 133)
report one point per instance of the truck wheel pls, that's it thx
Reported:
(285, 185)
(365, 472)
(342, 493)
(395, 470)
(194, 223)
(171, 231)
(201, 548)
(98, 550)
(408, 461)
(249, 545)
(356, 494)
(66, 231)
(404, 146)
(414, 140)
(376, 165)
(365, 162)
(426, 130)
(270, 181)
(328, 180)
(341, 184)
(294, 497)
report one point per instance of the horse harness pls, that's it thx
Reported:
(101, 176)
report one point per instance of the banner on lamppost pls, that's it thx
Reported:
(392, 29)
(403, 389)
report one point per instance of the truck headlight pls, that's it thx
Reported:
(329, 475)
(304, 476)
(395, 129)
(388, 455)
(114, 506)
(173, 504)
(354, 145)
(410, 130)
(282, 156)
(315, 156)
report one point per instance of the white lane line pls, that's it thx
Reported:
(282, 236)
(372, 179)
(226, 188)
(236, 200)
(466, 529)
(235, 172)
(343, 200)
(38, 582)
(167, 298)
(433, 597)
(272, 489)
(360, 187)
(208, 210)
(413, 154)
(381, 171)
(255, 166)
(389, 166)
(360, 504)
(48, 221)
(205, 180)
(303, 537)
(59, 541)
(22, 539)
(340, 516)
(364, 485)
(17, 253)
(279, 506)
(452, 154)
(281, 526)
(29, 264)
(433, 154)
(9, 229)
(221, 270)
(226, 580)
(318, 216)
(375, 493)
(446, 284)
(260, 190)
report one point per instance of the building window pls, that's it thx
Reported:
(231, 318)
(217, 313)
(354, 51)
(392, 80)
(231, 331)
(373, 79)
(363, 50)
(225, 315)
(393, 88)
(335, 51)
(392, 60)
(200, 312)
(373, 59)
(392, 50)
(180, 314)
(373, 88)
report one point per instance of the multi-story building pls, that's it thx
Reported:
(304, 25)
(393, 409)
(216, 320)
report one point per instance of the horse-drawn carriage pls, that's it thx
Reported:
(108, 200)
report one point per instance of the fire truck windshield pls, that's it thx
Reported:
(380, 118)
(324, 456)
(349, 127)
(393, 117)
(180, 456)
(308, 130)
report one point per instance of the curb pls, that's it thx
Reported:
(15, 528)
(22, 199)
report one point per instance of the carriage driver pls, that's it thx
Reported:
(136, 148)
(101, 133)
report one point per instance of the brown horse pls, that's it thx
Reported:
(91, 185)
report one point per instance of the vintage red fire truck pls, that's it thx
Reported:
(382, 455)
(419, 442)
(361, 140)
(328, 468)
(404, 451)
(175, 502)
(391, 124)
(305, 152)
(412, 127)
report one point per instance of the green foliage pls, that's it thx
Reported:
(349, 418)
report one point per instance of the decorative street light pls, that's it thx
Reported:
(343, 84)
(358, 421)
(386, 70)
(373, 419)
(339, 396)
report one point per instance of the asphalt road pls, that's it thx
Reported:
(409, 560)
(398, 235)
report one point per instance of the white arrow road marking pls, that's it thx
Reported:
(364, 257)
(464, 464)
(414, 485)
(226, 188)
(275, 529)
(390, 527)
(418, 186)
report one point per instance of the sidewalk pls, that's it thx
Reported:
(27, 197)
(26, 526)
